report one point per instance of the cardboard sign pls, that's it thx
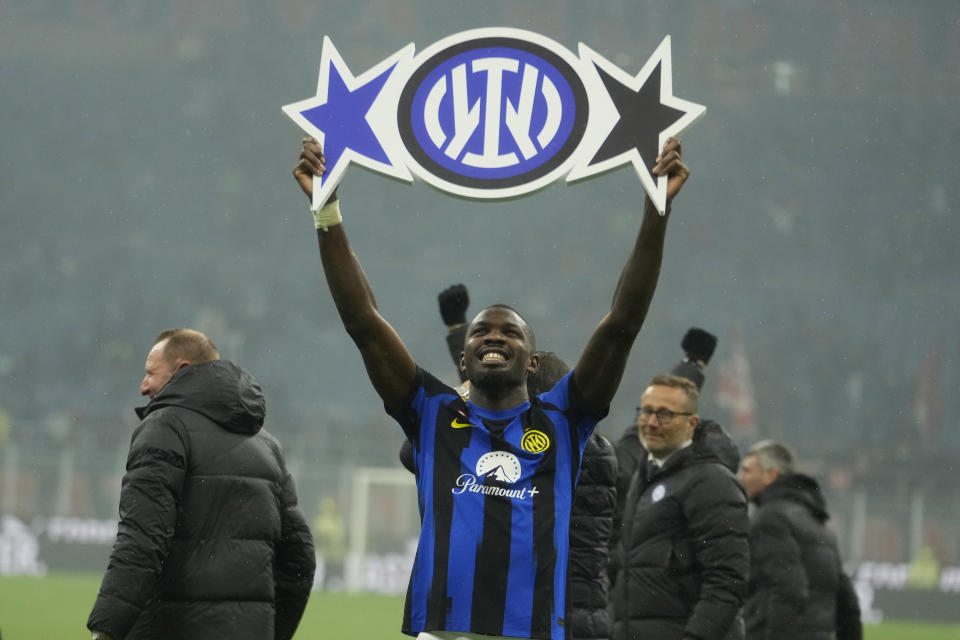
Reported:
(495, 113)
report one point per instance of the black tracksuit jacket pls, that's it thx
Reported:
(681, 561)
(797, 588)
(211, 542)
(591, 525)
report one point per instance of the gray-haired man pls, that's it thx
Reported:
(797, 588)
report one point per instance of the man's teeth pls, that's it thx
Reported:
(491, 356)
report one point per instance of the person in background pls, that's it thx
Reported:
(330, 538)
(797, 588)
(698, 346)
(211, 542)
(680, 566)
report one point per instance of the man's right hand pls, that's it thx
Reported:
(311, 163)
(453, 302)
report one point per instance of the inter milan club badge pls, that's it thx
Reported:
(494, 113)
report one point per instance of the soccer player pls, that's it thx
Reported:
(495, 473)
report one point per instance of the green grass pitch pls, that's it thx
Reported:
(56, 607)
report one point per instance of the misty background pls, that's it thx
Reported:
(145, 183)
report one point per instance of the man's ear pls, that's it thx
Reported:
(534, 365)
(181, 365)
(463, 361)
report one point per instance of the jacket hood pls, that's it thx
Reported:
(799, 488)
(710, 440)
(219, 390)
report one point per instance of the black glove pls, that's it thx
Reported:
(699, 345)
(453, 305)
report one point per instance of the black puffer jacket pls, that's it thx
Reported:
(796, 576)
(631, 455)
(591, 523)
(211, 543)
(681, 564)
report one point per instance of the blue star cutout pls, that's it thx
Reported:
(354, 117)
(343, 119)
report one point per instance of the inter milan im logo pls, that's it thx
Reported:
(488, 114)
(493, 113)
(535, 441)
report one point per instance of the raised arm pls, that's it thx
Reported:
(603, 361)
(389, 365)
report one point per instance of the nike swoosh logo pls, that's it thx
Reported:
(456, 424)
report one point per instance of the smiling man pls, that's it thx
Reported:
(495, 473)
(666, 418)
(682, 560)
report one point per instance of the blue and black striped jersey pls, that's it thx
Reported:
(495, 490)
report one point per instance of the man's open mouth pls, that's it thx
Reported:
(493, 356)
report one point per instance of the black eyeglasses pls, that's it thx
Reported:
(663, 415)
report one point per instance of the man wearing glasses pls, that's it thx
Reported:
(682, 560)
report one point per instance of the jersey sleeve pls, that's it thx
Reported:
(425, 395)
(566, 396)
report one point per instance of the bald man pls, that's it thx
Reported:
(211, 542)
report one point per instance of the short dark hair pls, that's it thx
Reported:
(552, 368)
(678, 382)
(771, 454)
(189, 345)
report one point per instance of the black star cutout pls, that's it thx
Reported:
(642, 117)
(634, 115)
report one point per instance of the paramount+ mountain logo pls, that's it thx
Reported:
(493, 113)
(504, 469)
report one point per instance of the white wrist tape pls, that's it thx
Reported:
(327, 216)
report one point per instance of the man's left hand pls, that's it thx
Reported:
(669, 164)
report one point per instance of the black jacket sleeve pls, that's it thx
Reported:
(296, 564)
(849, 626)
(149, 499)
(716, 511)
(591, 522)
(778, 568)
(630, 454)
